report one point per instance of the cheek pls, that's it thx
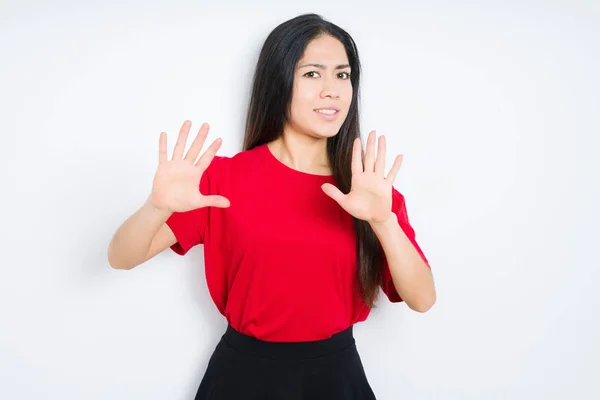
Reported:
(302, 101)
(307, 93)
(348, 91)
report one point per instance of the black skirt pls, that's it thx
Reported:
(246, 368)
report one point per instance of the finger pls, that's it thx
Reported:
(209, 154)
(395, 168)
(216, 201)
(357, 165)
(162, 147)
(197, 144)
(370, 153)
(334, 193)
(181, 140)
(380, 162)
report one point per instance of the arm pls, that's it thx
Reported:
(142, 236)
(175, 190)
(411, 275)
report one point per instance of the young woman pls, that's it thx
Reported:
(299, 230)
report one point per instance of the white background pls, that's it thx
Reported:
(495, 106)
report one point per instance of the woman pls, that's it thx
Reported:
(299, 232)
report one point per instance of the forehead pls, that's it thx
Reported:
(325, 50)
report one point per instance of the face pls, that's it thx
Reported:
(322, 89)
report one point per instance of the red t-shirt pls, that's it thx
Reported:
(280, 262)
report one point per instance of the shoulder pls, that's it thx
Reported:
(223, 164)
(225, 168)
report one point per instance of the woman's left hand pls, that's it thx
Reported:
(370, 196)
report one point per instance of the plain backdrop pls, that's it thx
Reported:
(495, 106)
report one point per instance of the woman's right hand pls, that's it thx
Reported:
(176, 186)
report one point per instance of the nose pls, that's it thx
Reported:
(329, 89)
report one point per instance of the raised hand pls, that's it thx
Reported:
(176, 183)
(370, 196)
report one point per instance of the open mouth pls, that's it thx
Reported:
(327, 113)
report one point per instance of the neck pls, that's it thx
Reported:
(302, 152)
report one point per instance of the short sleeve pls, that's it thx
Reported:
(399, 208)
(189, 227)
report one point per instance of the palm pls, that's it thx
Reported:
(176, 187)
(370, 196)
(365, 198)
(176, 182)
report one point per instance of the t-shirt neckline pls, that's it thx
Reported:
(282, 166)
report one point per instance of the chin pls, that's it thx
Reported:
(323, 135)
(326, 132)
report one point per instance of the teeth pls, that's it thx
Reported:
(329, 112)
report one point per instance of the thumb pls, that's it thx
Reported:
(216, 201)
(333, 192)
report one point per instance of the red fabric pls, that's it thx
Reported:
(280, 262)
(399, 208)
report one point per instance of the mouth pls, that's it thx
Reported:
(327, 113)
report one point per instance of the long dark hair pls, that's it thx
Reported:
(268, 112)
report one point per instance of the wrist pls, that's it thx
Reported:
(154, 210)
(387, 223)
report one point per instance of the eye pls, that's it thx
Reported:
(347, 75)
(311, 72)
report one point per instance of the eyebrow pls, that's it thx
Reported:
(321, 66)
